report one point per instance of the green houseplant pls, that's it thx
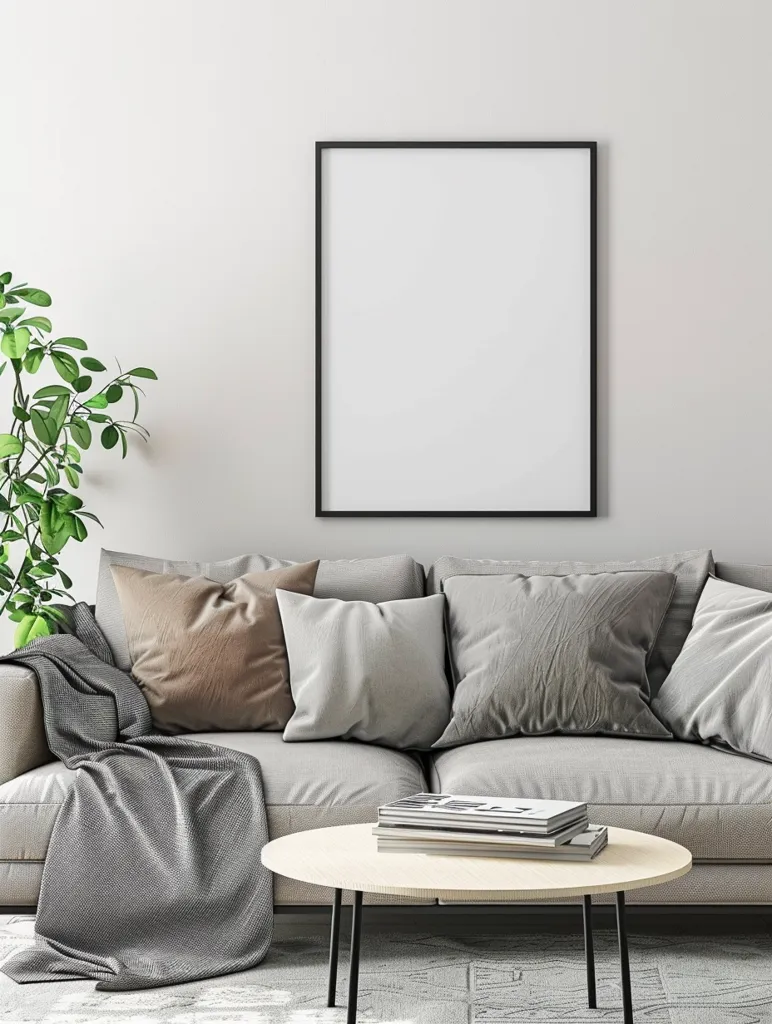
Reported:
(52, 424)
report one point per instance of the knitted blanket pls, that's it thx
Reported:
(153, 873)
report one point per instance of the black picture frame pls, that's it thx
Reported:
(592, 510)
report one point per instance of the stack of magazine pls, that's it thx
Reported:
(475, 826)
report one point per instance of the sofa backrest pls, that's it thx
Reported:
(391, 578)
(746, 574)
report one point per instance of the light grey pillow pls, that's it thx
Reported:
(690, 569)
(371, 672)
(720, 689)
(390, 578)
(553, 654)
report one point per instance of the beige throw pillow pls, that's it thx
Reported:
(210, 655)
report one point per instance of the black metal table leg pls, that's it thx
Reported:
(334, 943)
(589, 952)
(353, 970)
(624, 961)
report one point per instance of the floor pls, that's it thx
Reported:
(443, 966)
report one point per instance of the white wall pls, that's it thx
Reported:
(157, 178)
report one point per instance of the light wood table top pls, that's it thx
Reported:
(346, 857)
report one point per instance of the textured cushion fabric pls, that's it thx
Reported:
(370, 672)
(210, 655)
(690, 568)
(746, 574)
(307, 785)
(716, 804)
(544, 654)
(22, 736)
(720, 689)
(390, 578)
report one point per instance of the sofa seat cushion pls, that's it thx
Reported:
(716, 804)
(307, 785)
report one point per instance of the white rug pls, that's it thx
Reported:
(434, 979)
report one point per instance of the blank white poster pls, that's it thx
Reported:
(455, 331)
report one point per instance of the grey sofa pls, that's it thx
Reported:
(716, 804)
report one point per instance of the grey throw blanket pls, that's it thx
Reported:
(153, 874)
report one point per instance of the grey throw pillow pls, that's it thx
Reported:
(690, 569)
(720, 689)
(553, 654)
(371, 672)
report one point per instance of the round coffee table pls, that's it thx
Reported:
(346, 857)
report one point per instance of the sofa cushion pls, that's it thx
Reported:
(390, 578)
(307, 785)
(716, 804)
(690, 569)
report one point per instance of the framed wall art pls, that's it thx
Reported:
(456, 328)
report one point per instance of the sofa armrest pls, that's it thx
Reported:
(23, 743)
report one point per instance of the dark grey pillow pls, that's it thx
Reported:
(690, 569)
(553, 654)
(720, 689)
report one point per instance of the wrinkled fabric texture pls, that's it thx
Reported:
(153, 874)
(553, 654)
(690, 569)
(720, 689)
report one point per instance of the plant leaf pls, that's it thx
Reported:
(78, 343)
(44, 428)
(52, 391)
(65, 365)
(79, 529)
(97, 402)
(81, 433)
(15, 342)
(42, 571)
(33, 359)
(58, 412)
(21, 414)
(114, 393)
(7, 316)
(109, 436)
(89, 363)
(143, 371)
(65, 501)
(83, 383)
(90, 515)
(5, 277)
(55, 527)
(31, 627)
(41, 322)
(10, 445)
(34, 295)
(72, 477)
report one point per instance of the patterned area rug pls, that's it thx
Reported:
(434, 979)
